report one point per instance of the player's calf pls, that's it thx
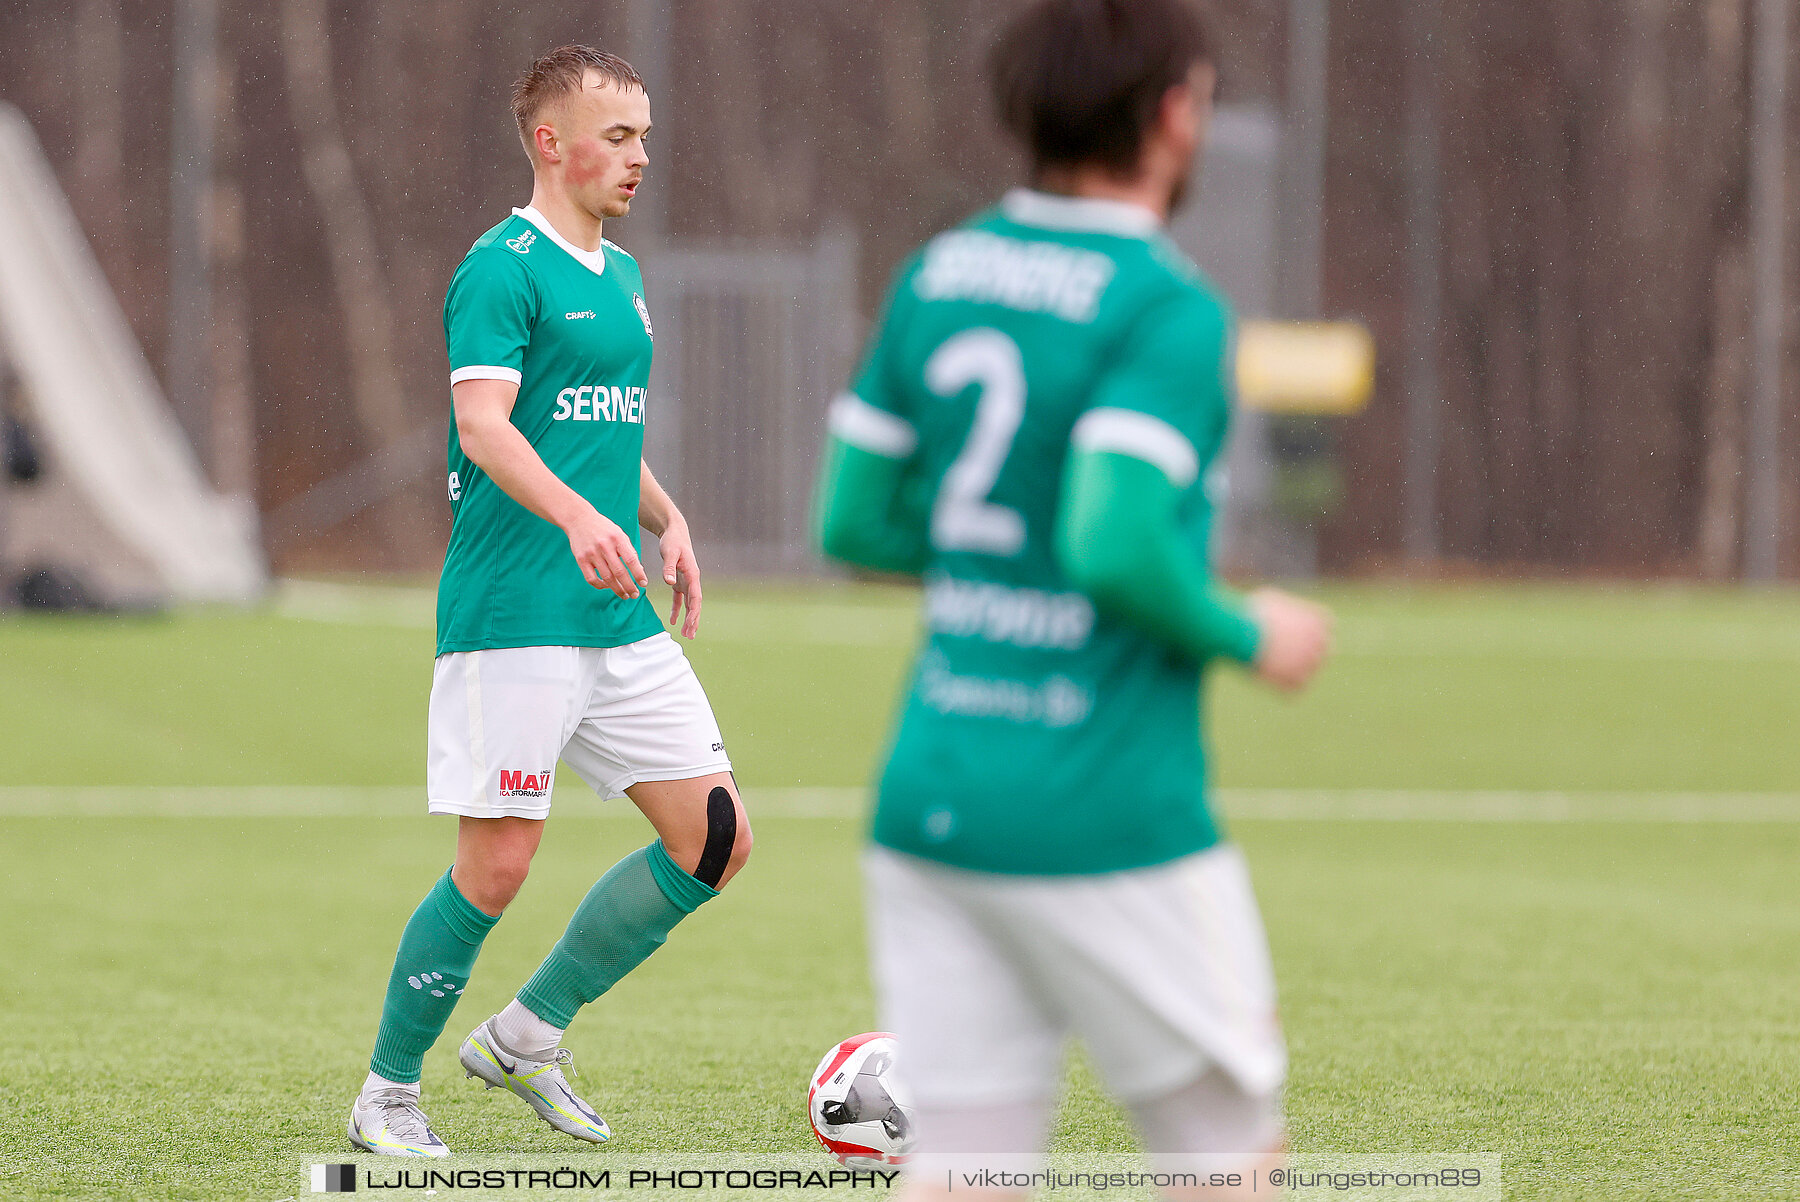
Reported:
(432, 966)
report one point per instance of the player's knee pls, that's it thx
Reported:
(740, 847)
(492, 884)
(728, 840)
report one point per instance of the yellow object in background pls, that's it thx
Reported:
(1323, 367)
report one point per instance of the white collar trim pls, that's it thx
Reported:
(1087, 214)
(593, 260)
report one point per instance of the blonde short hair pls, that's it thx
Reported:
(561, 71)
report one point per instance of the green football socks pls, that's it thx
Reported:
(437, 953)
(626, 915)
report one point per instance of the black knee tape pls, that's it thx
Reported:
(721, 837)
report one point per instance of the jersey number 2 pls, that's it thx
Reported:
(963, 519)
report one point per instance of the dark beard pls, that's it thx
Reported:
(1178, 192)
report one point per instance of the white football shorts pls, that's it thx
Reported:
(1163, 973)
(501, 719)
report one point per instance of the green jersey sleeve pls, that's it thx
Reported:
(1165, 400)
(862, 514)
(859, 516)
(1118, 540)
(488, 316)
(1156, 419)
(873, 415)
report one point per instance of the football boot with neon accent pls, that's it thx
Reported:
(540, 1083)
(389, 1122)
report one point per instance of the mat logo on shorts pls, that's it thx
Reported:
(524, 784)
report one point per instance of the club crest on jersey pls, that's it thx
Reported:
(523, 242)
(644, 313)
(524, 784)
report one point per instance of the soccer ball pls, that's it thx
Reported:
(859, 1111)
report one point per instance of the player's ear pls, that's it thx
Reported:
(544, 138)
(1176, 113)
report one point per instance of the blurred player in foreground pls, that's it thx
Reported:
(548, 646)
(1031, 432)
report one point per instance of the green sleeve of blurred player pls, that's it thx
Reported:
(863, 518)
(868, 512)
(1118, 541)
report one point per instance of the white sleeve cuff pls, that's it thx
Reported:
(1128, 432)
(862, 425)
(509, 374)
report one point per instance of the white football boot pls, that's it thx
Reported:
(389, 1122)
(539, 1082)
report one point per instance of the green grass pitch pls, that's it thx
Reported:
(1608, 1000)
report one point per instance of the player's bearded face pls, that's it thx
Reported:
(1191, 126)
(603, 147)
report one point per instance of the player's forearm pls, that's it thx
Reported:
(860, 520)
(656, 512)
(1118, 541)
(498, 449)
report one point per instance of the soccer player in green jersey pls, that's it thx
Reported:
(548, 647)
(1031, 432)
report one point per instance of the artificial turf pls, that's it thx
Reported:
(1607, 1004)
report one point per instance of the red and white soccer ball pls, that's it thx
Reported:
(859, 1110)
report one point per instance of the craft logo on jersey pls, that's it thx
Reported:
(643, 312)
(524, 784)
(523, 242)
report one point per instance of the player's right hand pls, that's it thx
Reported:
(1296, 637)
(606, 555)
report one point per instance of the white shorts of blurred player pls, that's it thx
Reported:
(1162, 972)
(501, 719)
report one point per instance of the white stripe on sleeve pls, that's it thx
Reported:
(1128, 432)
(509, 374)
(867, 428)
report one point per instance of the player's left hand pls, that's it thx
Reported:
(681, 572)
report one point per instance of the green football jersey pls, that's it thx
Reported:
(571, 329)
(1039, 736)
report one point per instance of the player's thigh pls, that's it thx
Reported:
(646, 719)
(1164, 972)
(498, 722)
(971, 1030)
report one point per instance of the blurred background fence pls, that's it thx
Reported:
(1562, 220)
